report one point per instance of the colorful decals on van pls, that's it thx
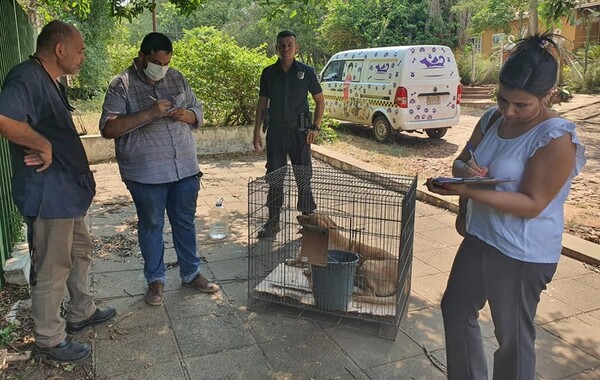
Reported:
(380, 77)
(430, 62)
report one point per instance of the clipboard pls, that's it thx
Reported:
(140, 125)
(472, 180)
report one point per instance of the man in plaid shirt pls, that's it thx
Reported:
(150, 111)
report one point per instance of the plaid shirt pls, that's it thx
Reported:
(164, 150)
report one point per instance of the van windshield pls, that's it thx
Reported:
(333, 72)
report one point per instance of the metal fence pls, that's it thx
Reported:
(16, 43)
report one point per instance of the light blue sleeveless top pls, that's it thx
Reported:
(535, 240)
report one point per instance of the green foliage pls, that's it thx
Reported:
(487, 68)
(7, 333)
(88, 105)
(553, 10)
(120, 55)
(45, 11)
(562, 93)
(17, 232)
(272, 8)
(372, 23)
(98, 30)
(328, 132)
(223, 75)
(496, 15)
(172, 22)
(249, 25)
(574, 76)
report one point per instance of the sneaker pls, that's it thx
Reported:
(269, 229)
(66, 352)
(202, 284)
(154, 294)
(99, 316)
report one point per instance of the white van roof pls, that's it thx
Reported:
(384, 52)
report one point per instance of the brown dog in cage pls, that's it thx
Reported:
(377, 270)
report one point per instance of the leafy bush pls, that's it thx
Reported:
(328, 132)
(120, 56)
(224, 76)
(574, 77)
(7, 333)
(98, 30)
(487, 68)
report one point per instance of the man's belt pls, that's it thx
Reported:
(284, 124)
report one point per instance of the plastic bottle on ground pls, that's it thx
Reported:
(219, 221)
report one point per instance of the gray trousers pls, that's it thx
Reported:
(512, 288)
(62, 260)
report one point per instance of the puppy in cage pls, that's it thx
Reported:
(376, 277)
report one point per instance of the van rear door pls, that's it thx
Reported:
(431, 79)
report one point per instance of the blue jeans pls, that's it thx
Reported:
(179, 199)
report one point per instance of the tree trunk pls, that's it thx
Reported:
(533, 17)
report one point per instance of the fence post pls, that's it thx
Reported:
(14, 25)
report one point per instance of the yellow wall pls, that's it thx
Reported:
(574, 35)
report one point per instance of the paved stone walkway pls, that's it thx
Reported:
(198, 336)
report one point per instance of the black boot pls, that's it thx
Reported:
(270, 229)
(99, 316)
(63, 352)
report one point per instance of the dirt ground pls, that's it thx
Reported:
(415, 153)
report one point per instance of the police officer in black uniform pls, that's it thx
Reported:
(284, 87)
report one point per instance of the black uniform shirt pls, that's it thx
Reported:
(287, 92)
(66, 188)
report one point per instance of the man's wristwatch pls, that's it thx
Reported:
(314, 127)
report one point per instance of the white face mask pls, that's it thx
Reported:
(155, 72)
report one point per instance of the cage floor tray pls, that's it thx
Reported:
(290, 281)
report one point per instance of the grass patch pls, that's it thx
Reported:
(87, 115)
(8, 334)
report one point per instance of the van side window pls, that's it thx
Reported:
(352, 70)
(333, 72)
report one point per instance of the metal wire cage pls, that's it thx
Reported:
(367, 221)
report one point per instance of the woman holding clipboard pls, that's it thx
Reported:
(514, 233)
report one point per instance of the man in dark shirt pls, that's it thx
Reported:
(284, 87)
(52, 188)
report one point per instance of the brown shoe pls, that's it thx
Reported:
(154, 294)
(201, 283)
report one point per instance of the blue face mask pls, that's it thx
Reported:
(155, 72)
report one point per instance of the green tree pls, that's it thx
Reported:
(251, 27)
(553, 10)
(42, 11)
(98, 31)
(223, 75)
(496, 15)
(214, 13)
(372, 23)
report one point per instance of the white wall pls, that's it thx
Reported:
(212, 140)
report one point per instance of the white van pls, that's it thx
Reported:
(397, 88)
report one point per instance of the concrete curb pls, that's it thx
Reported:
(573, 246)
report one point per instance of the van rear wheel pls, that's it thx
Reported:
(382, 130)
(436, 133)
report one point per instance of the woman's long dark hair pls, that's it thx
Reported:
(532, 65)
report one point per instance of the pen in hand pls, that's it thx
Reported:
(153, 98)
(472, 153)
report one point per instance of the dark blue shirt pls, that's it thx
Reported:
(66, 188)
(287, 92)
